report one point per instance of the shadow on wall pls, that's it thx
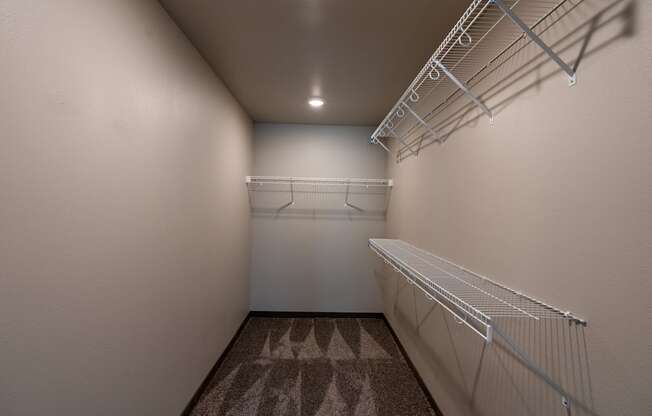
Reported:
(523, 67)
(323, 202)
(492, 379)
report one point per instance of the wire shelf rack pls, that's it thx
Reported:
(355, 195)
(289, 180)
(472, 298)
(486, 33)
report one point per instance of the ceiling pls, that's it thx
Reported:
(359, 55)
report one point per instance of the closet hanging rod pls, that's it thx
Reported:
(466, 49)
(280, 180)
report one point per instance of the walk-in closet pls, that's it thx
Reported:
(326, 207)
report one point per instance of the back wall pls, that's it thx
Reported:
(313, 256)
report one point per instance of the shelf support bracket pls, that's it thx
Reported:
(281, 208)
(421, 121)
(381, 144)
(346, 199)
(466, 90)
(572, 76)
(566, 398)
(400, 139)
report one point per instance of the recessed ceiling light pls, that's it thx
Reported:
(316, 102)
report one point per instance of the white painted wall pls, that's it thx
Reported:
(555, 200)
(314, 256)
(124, 225)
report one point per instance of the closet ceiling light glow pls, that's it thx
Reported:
(316, 102)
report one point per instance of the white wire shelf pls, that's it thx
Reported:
(487, 33)
(289, 180)
(472, 298)
(357, 195)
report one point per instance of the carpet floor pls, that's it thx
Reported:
(314, 367)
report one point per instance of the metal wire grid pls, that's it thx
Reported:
(482, 34)
(367, 197)
(426, 271)
(317, 188)
(473, 294)
(446, 115)
(289, 180)
(313, 191)
(433, 292)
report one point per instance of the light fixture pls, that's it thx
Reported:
(316, 102)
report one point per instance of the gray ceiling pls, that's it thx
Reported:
(359, 55)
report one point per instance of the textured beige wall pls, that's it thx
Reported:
(124, 225)
(313, 256)
(554, 199)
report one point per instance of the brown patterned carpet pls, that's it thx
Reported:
(314, 367)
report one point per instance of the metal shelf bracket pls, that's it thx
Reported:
(400, 139)
(289, 204)
(572, 76)
(346, 198)
(377, 141)
(462, 86)
(421, 121)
